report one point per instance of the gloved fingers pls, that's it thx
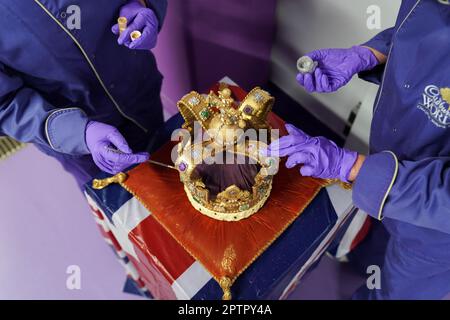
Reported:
(307, 170)
(141, 157)
(326, 87)
(109, 154)
(116, 162)
(103, 165)
(125, 158)
(295, 137)
(291, 150)
(124, 38)
(282, 143)
(337, 84)
(265, 152)
(149, 37)
(139, 23)
(298, 158)
(321, 80)
(117, 139)
(318, 79)
(336, 81)
(293, 130)
(309, 83)
(301, 79)
(316, 55)
(115, 29)
(286, 146)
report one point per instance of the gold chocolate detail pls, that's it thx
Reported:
(225, 121)
(226, 283)
(100, 184)
(232, 204)
(122, 21)
(135, 35)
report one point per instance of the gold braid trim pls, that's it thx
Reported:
(343, 185)
(228, 216)
(99, 184)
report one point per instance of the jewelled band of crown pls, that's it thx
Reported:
(256, 106)
(190, 106)
(191, 155)
(227, 217)
(231, 204)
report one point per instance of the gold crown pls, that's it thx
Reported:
(227, 123)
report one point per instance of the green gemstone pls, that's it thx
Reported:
(244, 207)
(204, 114)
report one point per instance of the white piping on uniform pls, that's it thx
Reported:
(91, 65)
(49, 116)
(394, 177)
(380, 217)
(389, 55)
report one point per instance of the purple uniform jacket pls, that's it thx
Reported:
(55, 76)
(406, 179)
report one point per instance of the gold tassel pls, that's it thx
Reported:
(345, 185)
(226, 283)
(100, 184)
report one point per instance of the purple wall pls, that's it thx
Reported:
(202, 41)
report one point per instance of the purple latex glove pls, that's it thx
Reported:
(109, 149)
(140, 19)
(336, 67)
(321, 158)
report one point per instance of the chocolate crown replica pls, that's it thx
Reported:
(227, 179)
(235, 131)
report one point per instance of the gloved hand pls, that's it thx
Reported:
(140, 19)
(109, 149)
(336, 68)
(321, 158)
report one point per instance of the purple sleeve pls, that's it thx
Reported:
(381, 42)
(66, 130)
(416, 192)
(27, 117)
(159, 7)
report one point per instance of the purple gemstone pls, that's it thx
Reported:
(248, 110)
(182, 167)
